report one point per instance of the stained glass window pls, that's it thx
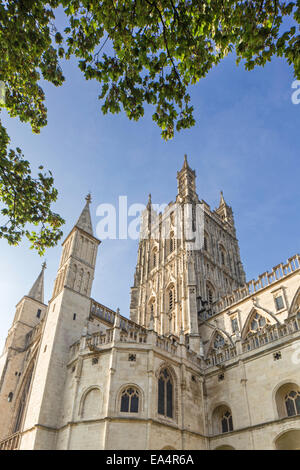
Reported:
(130, 400)
(226, 421)
(257, 323)
(165, 394)
(292, 403)
(219, 341)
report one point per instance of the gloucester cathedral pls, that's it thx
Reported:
(206, 360)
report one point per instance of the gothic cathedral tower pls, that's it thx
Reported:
(66, 318)
(178, 273)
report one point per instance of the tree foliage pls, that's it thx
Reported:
(27, 53)
(140, 51)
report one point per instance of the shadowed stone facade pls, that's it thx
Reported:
(206, 360)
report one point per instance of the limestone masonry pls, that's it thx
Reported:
(206, 360)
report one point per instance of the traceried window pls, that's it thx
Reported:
(257, 323)
(165, 394)
(222, 420)
(171, 298)
(226, 421)
(222, 255)
(154, 258)
(219, 341)
(130, 400)
(172, 242)
(292, 403)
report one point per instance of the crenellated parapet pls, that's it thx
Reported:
(266, 279)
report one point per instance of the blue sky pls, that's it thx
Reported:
(245, 142)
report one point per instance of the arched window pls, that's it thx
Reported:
(292, 402)
(172, 242)
(222, 420)
(154, 257)
(222, 255)
(219, 341)
(226, 421)
(130, 400)
(257, 323)
(91, 404)
(206, 241)
(165, 394)
(171, 298)
(22, 402)
(287, 400)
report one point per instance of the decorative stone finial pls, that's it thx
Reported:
(88, 198)
(117, 319)
(222, 200)
(149, 201)
(44, 265)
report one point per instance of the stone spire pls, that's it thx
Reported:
(225, 211)
(185, 163)
(84, 222)
(222, 200)
(186, 183)
(37, 290)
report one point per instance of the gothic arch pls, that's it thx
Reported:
(23, 393)
(170, 298)
(172, 242)
(87, 409)
(119, 396)
(223, 253)
(256, 310)
(30, 358)
(279, 394)
(154, 256)
(206, 241)
(151, 301)
(295, 305)
(213, 337)
(170, 281)
(289, 439)
(218, 412)
(170, 369)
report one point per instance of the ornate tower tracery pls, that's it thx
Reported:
(174, 278)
